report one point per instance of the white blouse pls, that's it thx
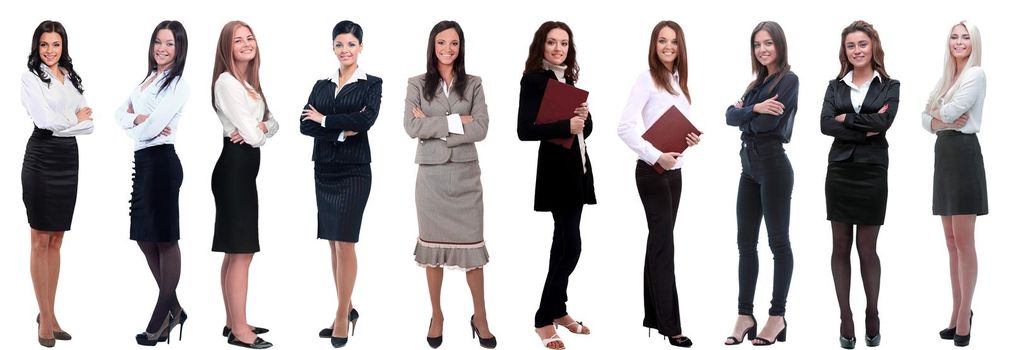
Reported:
(968, 98)
(858, 93)
(54, 106)
(239, 111)
(162, 108)
(644, 107)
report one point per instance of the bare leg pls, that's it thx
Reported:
(963, 230)
(954, 267)
(743, 322)
(39, 266)
(435, 276)
(474, 278)
(346, 274)
(224, 290)
(238, 292)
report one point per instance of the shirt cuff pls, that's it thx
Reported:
(455, 124)
(342, 137)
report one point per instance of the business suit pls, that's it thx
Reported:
(856, 183)
(449, 195)
(563, 186)
(342, 168)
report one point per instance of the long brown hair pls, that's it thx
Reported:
(432, 77)
(780, 48)
(877, 49)
(660, 74)
(534, 62)
(224, 61)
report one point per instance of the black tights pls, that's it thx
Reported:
(840, 265)
(165, 261)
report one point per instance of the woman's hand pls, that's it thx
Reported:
(668, 160)
(140, 119)
(236, 137)
(348, 133)
(262, 127)
(770, 106)
(693, 139)
(577, 125)
(166, 131)
(582, 110)
(417, 113)
(313, 115)
(466, 119)
(83, 114)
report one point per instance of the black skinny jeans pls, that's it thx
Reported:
(765, 191)
(564, 253)
(660, 195)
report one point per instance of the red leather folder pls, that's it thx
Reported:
(669, 133)
(559, 103)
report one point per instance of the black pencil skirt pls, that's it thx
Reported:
(341, 193)
(49, 181)
(856, 193)
(958, 184)
(154, 208)
(236, 228)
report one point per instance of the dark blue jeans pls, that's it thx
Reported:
(765, 191)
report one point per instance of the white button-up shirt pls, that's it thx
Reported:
(858, 92)
(644, 107)
(54, 106)
(967, 99)
(240, 111)
(163, 108)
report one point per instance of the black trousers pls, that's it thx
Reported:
(564, 253)
(765, 191)
(660, 195)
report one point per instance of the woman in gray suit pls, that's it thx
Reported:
(446, 113)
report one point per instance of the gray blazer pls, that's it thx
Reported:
(429, 131)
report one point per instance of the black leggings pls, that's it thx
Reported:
(564, 253)
(765, 191)
(660, 195)
(165, 261)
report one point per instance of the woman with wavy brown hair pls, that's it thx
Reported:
(858, 108)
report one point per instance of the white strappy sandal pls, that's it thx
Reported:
(578, 327)
(553, 338)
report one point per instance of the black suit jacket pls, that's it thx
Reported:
(354, 109)
(560, 181)
(850, 142)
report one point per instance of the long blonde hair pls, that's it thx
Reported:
(947, 86)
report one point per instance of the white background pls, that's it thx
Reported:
(106, 292)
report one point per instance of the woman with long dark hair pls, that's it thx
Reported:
(662, 86)
(340, 111)
(563, 175)
(764, 116)
(151, 116)
(238, 99)
(959, 186)
(53, 96)
(858, 108)
(445, 111)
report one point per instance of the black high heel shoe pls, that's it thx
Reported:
(872, 341)
(780, 337)
(152, 339)
(487, 343)
(433, 342)
(259, 343)
(848, 343)
(176, 321)
(751, 332)
(948, 333)
(255, 330)
(681, 341)
(352, 317)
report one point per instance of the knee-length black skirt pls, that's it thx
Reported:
(154, 208)
(236, 227)
(49, 181)
(856, 193)
(958, 184)
(341, 193)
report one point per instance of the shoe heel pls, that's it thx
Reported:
(181, 324)
(781, 337)
(751, 332)
(353, 326)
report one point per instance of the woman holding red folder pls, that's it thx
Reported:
(764, 117)
(662, 87)
(563, 175)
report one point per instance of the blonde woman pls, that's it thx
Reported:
(959, 190)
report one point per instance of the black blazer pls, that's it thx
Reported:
(354, 109)
(560, 182)
(850, 142)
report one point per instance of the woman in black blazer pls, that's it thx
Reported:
(858, 108)
(563, 175)
(338, 114)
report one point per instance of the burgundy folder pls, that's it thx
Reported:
(669, 133)
(559, 103)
